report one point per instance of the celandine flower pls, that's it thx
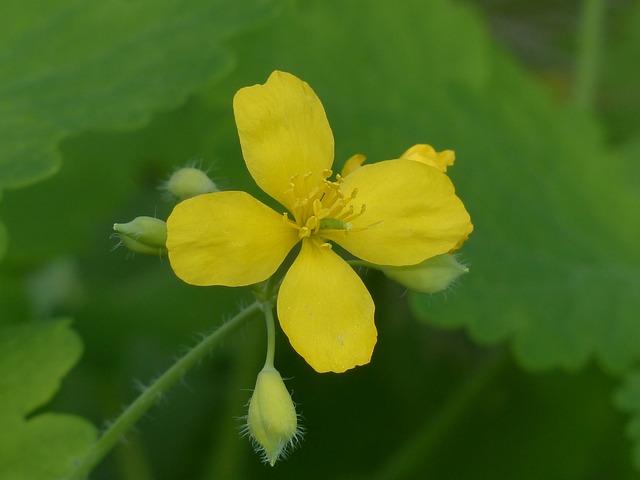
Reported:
(396, 212)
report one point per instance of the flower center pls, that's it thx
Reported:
(319, 205)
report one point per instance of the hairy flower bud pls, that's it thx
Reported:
(272, 421)
(145, 235)
(189, 182)
(431, 276)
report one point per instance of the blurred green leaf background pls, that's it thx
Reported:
(527, 369)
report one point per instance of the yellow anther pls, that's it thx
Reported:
(315, 193)
(347, 214)
(322, 206)
(317, 207)
(312, 223)
(304, 232)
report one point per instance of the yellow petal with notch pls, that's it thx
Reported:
(326, 311)
(283, 132)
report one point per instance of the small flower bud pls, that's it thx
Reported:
(431, 276)
(272, 421)
(189, 182)
(145, 235)
(427, 154)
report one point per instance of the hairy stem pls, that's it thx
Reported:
(224, 459)
(153, 392)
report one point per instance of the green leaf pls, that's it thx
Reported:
(33, 360)
(3, 236)
(3, 240)
(114, 177)
(619, 97)
(553, 265)
(72, 65)
(627, 398)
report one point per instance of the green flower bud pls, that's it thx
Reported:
(190, 182)
(145, 235)
(272, 421)
(433, 275)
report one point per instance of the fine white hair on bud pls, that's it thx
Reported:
(272, 421)
(431, 276)
(145, 235)
(189, 182)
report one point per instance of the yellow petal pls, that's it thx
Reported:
(428, 155)
(352, 164)
(326, 311)
(412, 213)
(283, 132)
(227, 238)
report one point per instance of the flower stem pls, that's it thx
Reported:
(267, 308)
(417, 450)
(224, 459)
(590, 45)
(151, 394)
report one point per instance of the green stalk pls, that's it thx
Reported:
(590, 46)
(416, 452)
(224, 459)
(267, 309)
(148, 398)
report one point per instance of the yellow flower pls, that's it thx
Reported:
(397, 212)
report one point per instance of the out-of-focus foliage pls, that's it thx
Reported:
(33, 359)
(555, 228)
(619, 99)
(74, 65)
(3, 240)
(554, 267)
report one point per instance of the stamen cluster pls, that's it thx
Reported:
(320, 207)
